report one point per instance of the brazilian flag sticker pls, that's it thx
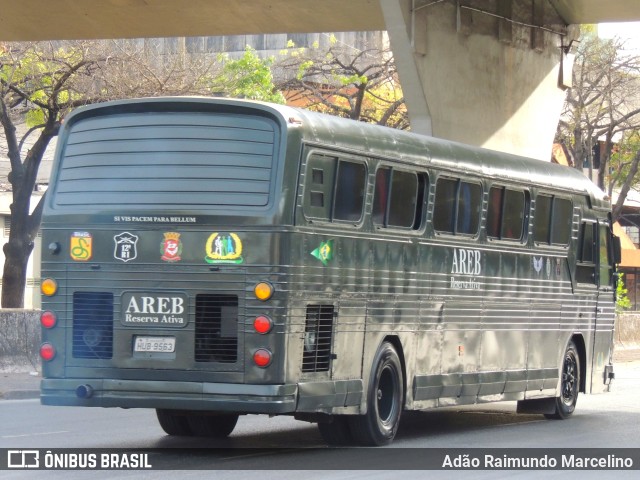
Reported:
(324, 252)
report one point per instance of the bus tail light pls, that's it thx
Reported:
(263, 324)
(262, 357)
(48, 319)
(47, 352)
(263, 291)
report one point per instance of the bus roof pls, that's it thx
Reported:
(386, 142)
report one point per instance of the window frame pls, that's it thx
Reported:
(328, 162)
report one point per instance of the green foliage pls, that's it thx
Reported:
(622, 155)
(40, 77)
(622, 300)
(248, 77)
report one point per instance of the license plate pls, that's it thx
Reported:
(155, 344)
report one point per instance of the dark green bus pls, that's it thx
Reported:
(210, 258)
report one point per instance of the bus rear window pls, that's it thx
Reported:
(167, 160)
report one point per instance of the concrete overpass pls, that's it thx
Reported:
(484, 72)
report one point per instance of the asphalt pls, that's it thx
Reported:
(25, 384)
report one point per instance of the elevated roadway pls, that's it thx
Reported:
(485, 72)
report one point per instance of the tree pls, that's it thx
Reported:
(602, 105)
(41, 82)
(247, 77)
(361, 85)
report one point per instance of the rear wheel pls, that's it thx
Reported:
(385, 398)
(219, 425)
(565, 404)
(173, 423)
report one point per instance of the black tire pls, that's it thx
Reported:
(172, 423)
(219, 425)
(569, 384)
(336, 432)
(385, 399)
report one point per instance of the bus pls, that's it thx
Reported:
(211, 258)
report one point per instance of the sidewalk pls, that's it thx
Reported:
(22, 385)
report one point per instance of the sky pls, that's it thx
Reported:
(629, 31)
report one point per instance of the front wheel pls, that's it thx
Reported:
(173, 423)
(385, 398)
(565, 404)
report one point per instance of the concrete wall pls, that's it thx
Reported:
(19, 339)
(627, 330)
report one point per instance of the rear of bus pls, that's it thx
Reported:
(163, 229)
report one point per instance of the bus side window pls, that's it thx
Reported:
(457, 206)
(505, 213)
(350, 188)
(319, 186)
(542, 223)
(561, 222)
(469, 206)
(397, 199)
(444, 205)
(604, 257)
(586, 266)
(553, 220)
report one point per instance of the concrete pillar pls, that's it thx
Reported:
(484, 73)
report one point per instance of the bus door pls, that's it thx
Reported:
(602, 369)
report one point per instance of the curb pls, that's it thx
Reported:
(20, 395)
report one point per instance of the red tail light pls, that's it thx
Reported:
(263, 324)
(48, 319)
(262, 357)
(47, 352)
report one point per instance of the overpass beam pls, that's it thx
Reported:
(483, 73)
(398, 18)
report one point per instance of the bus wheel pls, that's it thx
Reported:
(172, 423)
(384, 400)
(337, 431)
(218, 425)
(569, 384)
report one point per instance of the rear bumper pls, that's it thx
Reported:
(240, 398)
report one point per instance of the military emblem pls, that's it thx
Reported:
(537, 264)
(223, 248)
(171, 247)
(324, 252)
(125, 249)
(81, 246)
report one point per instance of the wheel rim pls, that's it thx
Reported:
(569, 380)
(386, 396)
